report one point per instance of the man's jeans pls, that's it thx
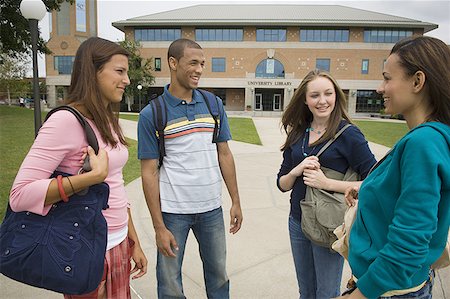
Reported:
(209, 230)
(318, 269)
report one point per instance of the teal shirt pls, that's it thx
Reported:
(403, 216)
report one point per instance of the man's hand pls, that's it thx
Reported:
(166, 242)
(235, 218)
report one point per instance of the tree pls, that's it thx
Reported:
(13, 70)
(15, 36)
(139, 71)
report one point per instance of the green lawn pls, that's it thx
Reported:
(385, 133)
(17, 134)
(242, 129)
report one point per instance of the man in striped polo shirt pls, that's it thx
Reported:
(185, 192)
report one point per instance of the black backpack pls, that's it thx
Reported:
(160, 117)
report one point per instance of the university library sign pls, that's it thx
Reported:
(269, 83)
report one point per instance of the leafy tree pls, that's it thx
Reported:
(13, 70)
(139, 72)
(15, 36)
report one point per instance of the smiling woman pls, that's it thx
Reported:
(314, 115)
(98, 80)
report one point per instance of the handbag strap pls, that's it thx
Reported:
(333, 139)
(90, 135)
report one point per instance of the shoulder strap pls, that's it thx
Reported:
(160, 119)
(333, 139)
(213, 107)
(90, 135)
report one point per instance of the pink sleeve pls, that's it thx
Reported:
(57, 146)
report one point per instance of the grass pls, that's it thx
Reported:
(385, 133)
(132, 169)
(17, 135)
(242, 129)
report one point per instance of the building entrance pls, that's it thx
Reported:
(269, 99)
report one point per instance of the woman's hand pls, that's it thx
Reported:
(351, 195)
(140, 261)
(311, 162)
(315, 178)
(98, 163)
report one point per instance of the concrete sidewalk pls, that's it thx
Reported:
(259, 259)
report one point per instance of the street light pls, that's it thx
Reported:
(34, 11)
(139, 87)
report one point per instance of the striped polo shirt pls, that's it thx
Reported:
(190, 178)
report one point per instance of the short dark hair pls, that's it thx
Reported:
(176, 48)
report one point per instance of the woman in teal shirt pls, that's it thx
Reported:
(403, 217)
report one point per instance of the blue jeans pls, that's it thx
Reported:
(318, 269)
(424, 293)
(209, 230)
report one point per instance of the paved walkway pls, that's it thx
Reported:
(259, 258)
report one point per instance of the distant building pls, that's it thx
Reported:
(257, 55)
(69, 27)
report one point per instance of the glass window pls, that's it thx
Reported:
(368, 101)
(345, 35)
(274, 35)
(219, 34)
(239, 34)
(324, 35)
(232, 35)
(270, 68)
(218, 64)
(323, 64)
(158, 64)
(330, 35)
(81, 15)
(380, 37)
(64, 64)
(387, 35)
(365, 66)
(163, 34)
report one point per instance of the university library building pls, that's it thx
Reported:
(257, 55)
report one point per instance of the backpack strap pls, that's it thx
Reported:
(213, 107)
(160, 119)
(90, 135)
(333, 139)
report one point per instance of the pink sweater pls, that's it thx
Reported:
(58, 146)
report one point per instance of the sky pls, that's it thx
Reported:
(437, 12)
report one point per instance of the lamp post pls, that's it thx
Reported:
(139, 87)
(34, 11)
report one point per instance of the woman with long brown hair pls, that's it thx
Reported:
(314, 115)
(99, 79)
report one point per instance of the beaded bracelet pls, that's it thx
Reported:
(73, 190)
(62, 193)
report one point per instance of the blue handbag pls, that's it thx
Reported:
(63, 251)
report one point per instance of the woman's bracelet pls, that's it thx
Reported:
(62, 193)
(73, 190)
